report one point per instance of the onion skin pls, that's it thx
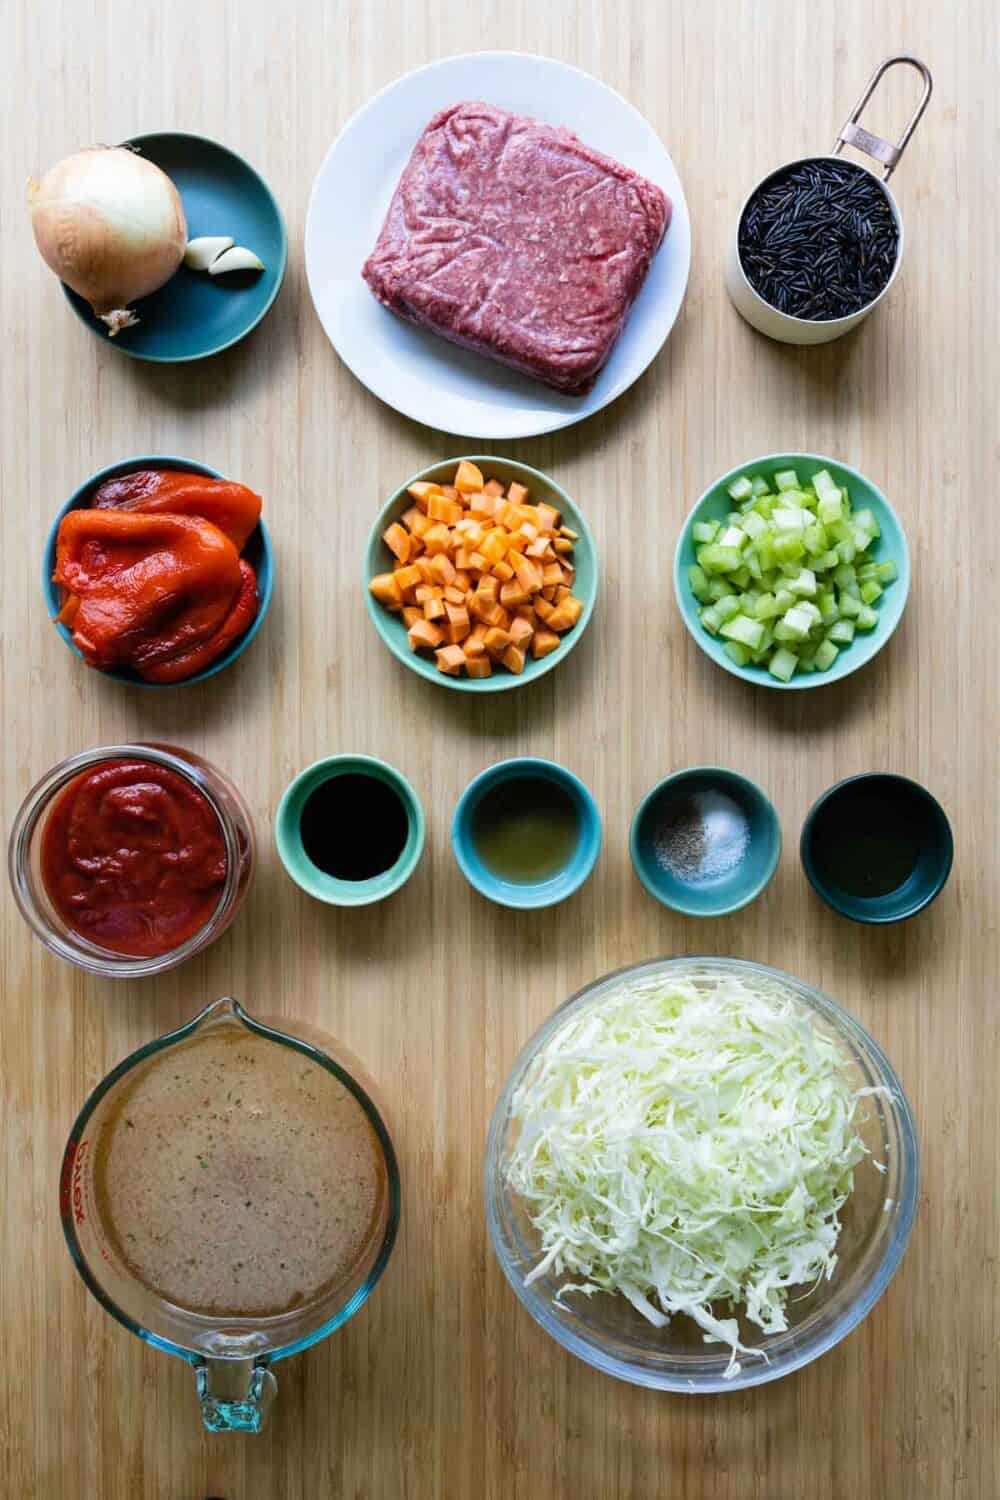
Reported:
(110, 224)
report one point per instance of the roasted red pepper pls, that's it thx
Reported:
(143, 589)
(153, 577)
(232, 507)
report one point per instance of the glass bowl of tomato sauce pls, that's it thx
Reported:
(126, 860)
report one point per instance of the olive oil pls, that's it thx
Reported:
(525, 830)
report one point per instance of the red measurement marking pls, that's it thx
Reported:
(70, 1185)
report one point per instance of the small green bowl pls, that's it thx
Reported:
(195, 315)
(288, 835)
(378, 559)
(715, 504)
(907, 805)
(731, 889)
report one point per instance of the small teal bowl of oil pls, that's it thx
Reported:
(877, 848)
(526, 833)
(705, 841)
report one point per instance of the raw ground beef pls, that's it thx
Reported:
(516, 240)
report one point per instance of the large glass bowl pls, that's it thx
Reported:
(607, 1332)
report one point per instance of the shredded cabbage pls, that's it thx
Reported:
(687, 1143)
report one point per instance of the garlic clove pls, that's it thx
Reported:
(237, 259)
(200, 253)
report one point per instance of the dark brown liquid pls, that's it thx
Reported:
(865, 843)
(354, 827)
(239, 1177)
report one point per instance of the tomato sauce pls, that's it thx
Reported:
(133, 857)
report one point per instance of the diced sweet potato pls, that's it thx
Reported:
(450, 660)
(424, 636)
(520, 632)
(480, 574)
(496, 641)
(398, 541)
(385, 588)
(543, 643)
(469, 478)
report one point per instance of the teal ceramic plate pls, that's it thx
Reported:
(715, 504)
(257, 553)
(378, 559)
(732, 887)
(195, 315)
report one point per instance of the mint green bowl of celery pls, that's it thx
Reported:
(792, 570)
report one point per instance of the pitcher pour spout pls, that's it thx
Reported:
(226, 1011)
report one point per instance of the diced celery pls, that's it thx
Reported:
(788, 549)
(798, 623)
(827, 607)
(716, 559)
(788, 518)
(767, 608)
(830, 508)
(866, 520)
(815, 538)
(788, 575)
(741, 628)
(782, 664)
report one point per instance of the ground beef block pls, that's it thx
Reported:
(516, 240)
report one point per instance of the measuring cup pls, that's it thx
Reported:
(784, 326)
(232, 1356)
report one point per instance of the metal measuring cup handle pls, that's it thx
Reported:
(854, 134)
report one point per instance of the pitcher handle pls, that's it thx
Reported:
(235, 1395)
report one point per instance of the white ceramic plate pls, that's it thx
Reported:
(419, 374)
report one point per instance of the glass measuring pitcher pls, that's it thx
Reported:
(230, 1194)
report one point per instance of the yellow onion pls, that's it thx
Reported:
(110, 225)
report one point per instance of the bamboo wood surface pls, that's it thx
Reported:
(442, 1386)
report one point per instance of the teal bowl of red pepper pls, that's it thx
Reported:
(257, 552)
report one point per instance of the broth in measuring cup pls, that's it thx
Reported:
(239, 1178)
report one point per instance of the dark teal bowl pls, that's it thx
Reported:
(257, 553)
(857, 819)
(194, 315)
(710, 895)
